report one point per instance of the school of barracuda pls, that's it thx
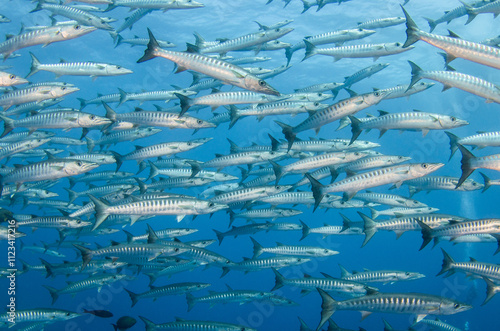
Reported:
(244, 184)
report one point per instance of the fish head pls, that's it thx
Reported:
(60, 91)
(327, 252)
(108, 19)
(223, 177)
(290, 212)
(422, 86)
(277, 44)
(397, 47)
(470, 185)
(409, 275)
(76, 167)
(87, 120)
(33, 143)
(362, 33)
(47, 194)
(188, 4)
(114, 69)
(398, 159)
(62, 315)
(278, 32)
(412, 203)
(77, 223)
(74, 31)
(271, 190)
(308, 106)
(422, 169)
(449, 307)
(209, 207)
(255, 84)
(4, 19)
(449, 122)
(364, 144)
(11, 79)
(272, 155)
(375, 97)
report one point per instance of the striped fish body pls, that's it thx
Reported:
(136, 16)
(234, 98)
(21, 146)
(429, 183)
(166, 233)
(482, 139)
(484, 226)
(43, 37)
(272, 213)
(153, 95)
(144, 42)
(76, 14)
(294, 198)
(183, 325)
(92, 69)
(163, 119)
(368, 162)
(39, 315)
(364, 73)
(86, 284)
(184, 172)
(381, 23)
(485, 162)
(334, 87)
(247, 194)
(272, 262)
(358, 51)
(120, 136)
(323, 160)
(239, 296)
(382, 276)
(225, 71)
(402, 91)
(159, 4)
(58, 222)
(48, 170)
(472, 267)
(34, 94)
(439, 325)
(242, 158)
(173, 289)
(163, 149)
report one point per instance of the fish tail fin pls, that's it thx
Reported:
(370, 228)
(133, 297)
(288, 132)
(453, 143)
(90, 145)
(38, 7)
(149, 53)
(220, 236)
(191, 301)
(278, 170)
(87, 255)
(110, 113)
(415, 74)
(100, 211)
(149, 325)
(355, 128)
(118, 159)
(130, 236)
(447, 264)
(487, 181)
(123, 96)
(491, 290)
(72, 195)
(306, 230)
(232, 217)
(317, 190)
(185, 101)
(233, 147)
(199, 41)
(432, 24)
(117, 38)
(234, 115)
(288, 53)
(467, 169)
(426, 234)
(142, 186)
(274, 143)
(257, 248)
(471, 14)
(35, 65)
(328, 307)
(310, 50)
(83, 103)
(411, 30)
(306, 5)
(48, 267)
(54, 293)
(153, 170)
(279, 280)
(8, 125)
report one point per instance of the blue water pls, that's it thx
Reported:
(231, 19)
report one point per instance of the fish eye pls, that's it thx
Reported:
(63, 88)
(78, 222)
(211, 204)
(67, 314)
(277, 30)
(278, 187)
(272, 152)
(92, 117)
(77, 27)
(320, 94)
(79, 163)
(424, 165)
(398, 44)
(360, 30)
(189, 143)
(326, 251)
(277, 42)
(407, 273)
(316, 104)
(474, 184)
(118, 67)
(298, 260)
(176, 250)
(11, 76)
(199, 121)
(262, 83)
(400, 157)
(225, 175)
(456, 306)
(376, 94)
(453, 119)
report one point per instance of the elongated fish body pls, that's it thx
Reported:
(277, 262)
(329, 145)
(185, 325)
(396, 303)
(179, 172)
(143, 42)
(479, 140)
(280, 108)
(136, 16)
(405, 223)
(368, 162)
(39, 315)
(337, 285)
(225, 71)
(381, 23)
(163, 95)
(165, 233)
(492, 7)
(334, 87)
(236, 231)
(50, 169)
(173, 289)
(451, 15)
(242, 158)
(246, 41)
(43, 37)
(121, 136)
(439, 325)
(219, 188)
(402, 91)
(272, 213)
(234, 98)
(8, 79)
(76, 14)
(293, 198)
(379, 276)
(429, 183)
(158, 4)
(364, 73)
(32, 106)
(280, 249)
(356, 51)
(83, 285)
(474, 267)
(468, 83)
(54, 222)
(175, 182)
(31, 94)
(21, 146)
(334, 112)
(247, 194)
(403, 211)
(453, 45)
(163, 149)
(92, 69)
(239, 296)
(102, 190)
(328, 230)
(395, 174)
(338, 37)
(323, 160)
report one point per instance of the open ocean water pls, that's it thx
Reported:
(231, 19)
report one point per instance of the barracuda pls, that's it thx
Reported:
(455, 230)
(21, 146)
(338, 37)
(280, 249)
(83, 285)
(471, 162)
(152, 96)
(249, 194)
(328, 230)
(181, 324)
(402, 224)
(226, 72)
(161, 234)
(141, 41)
(31, 94)
(131, 20)
(381, 23)
(272, 213)
(78, 15)
(451, 78)
(222, 161)
(173, 289)
(101, 190)
(121, 136)
(364, 73)
(179, 172)
(39, 315)
(379, 276)
(453, 45)
(336, 285)
(356, 51)
(336, 111)
(8, 79)
(453, 14)
(249, 265)
(294, 198)
(43, 37)
(156, 4)
(472, 12)
(163, 184)
(351, 185)
(397, 303)
(402, 211)
(429, 183)
(236, 231)
(184, 265)
(58, 222)
(70, 268)
(367, 162)
(32, 106)
(479, 140)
